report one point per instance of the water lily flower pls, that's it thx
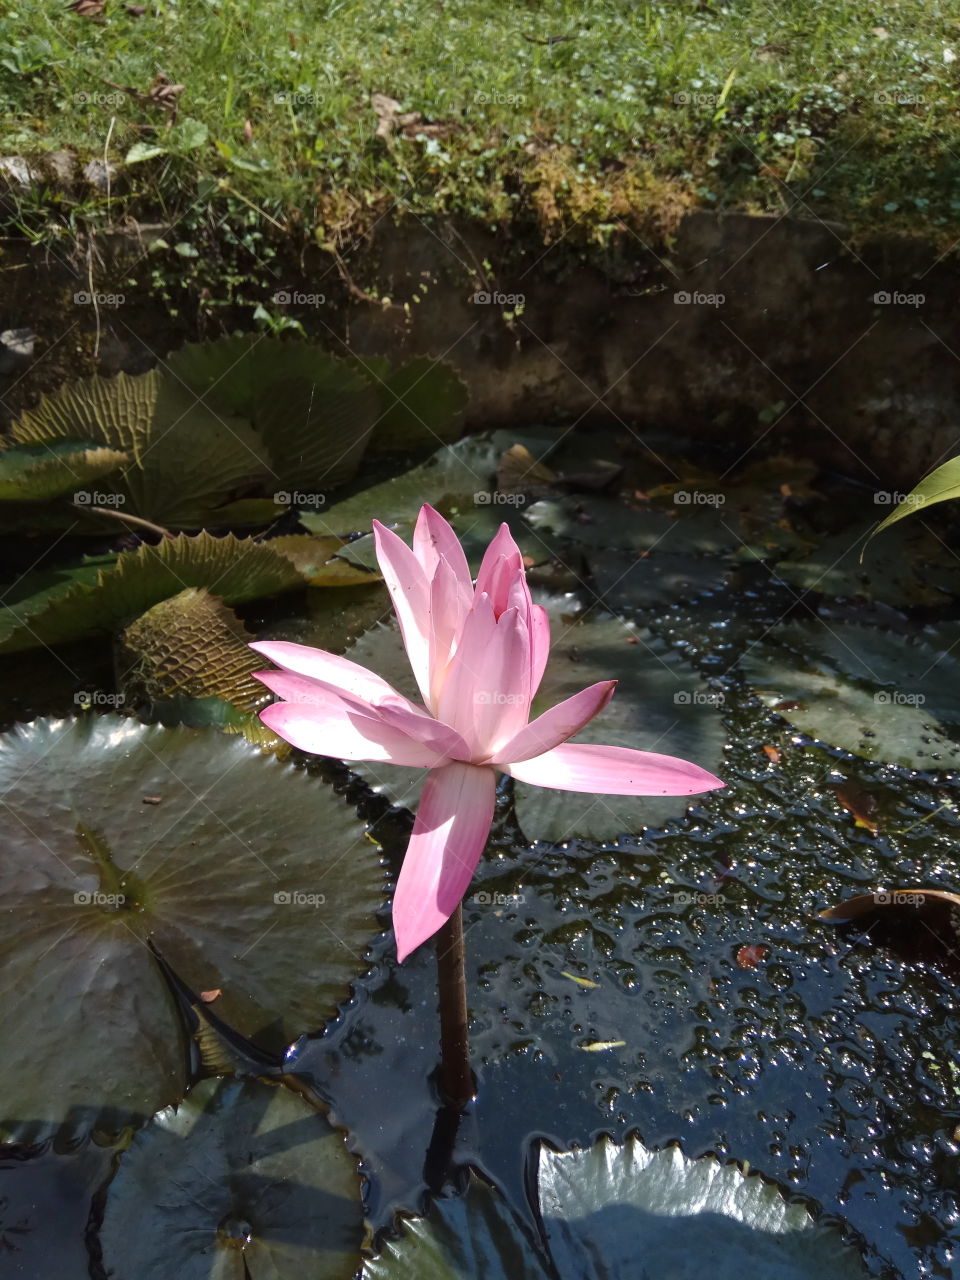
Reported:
(478, 653)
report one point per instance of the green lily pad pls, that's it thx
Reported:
(241, 1181)
(187, 459)
(421, 404)
(71, 606)
(661, 705)
(235, 865)
(312, 412)
(875, 693)
(622, 580)
(607, 523)
(622, 1212)
(31, 473)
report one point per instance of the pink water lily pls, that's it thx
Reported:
(478, 654)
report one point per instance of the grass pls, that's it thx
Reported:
(642, 111)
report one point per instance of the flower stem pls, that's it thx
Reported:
(456, 1078)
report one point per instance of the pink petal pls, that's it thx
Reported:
(410, 593)
(613, 771)
(501, 566)
(539, 645)
(558, 724)
(339, 674)
(485, 696)
(449, 835)
(433, 538)
(450, 604)
(318, 720)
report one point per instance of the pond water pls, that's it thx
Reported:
(678, 982)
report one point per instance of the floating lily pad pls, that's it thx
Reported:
(236, 865)
(608, 523)
(875, 693)
(71, 606)
(622, 580)
(241, 1181)
(35, 473)
(421, 404)
(186, 458)
(623, 1212)
(660, 705)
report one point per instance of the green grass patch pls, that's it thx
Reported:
(584, 118)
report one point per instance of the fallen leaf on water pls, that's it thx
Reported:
(151, 799)
(861, 804)
(581, 982)
(597, 1046)
(772, 754)
(750, 956)
(208, 997)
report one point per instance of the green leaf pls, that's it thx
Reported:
(241, 1181)
(421, 404)
(313, 412)
(143, 151)
(188, 134)
(187, 459)
(237, 874)
(31, 473)
(940, 485)
(611, 1208)
(875, 693)
(234, 569)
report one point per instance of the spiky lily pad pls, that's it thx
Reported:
(622, 1212)
(34, 473)
(242, 1181)
(313, 412)
(235, 868)
(874, 693)
(660, 705)
(234, 569)
(186, 458)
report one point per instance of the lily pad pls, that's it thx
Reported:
(35, 473)
(660, 705)
(68, 606)
(234, 865)
(623, 1212)
(874, 693)
(241, 1181)
(187, 459)
(421, 404)
(609, 523)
